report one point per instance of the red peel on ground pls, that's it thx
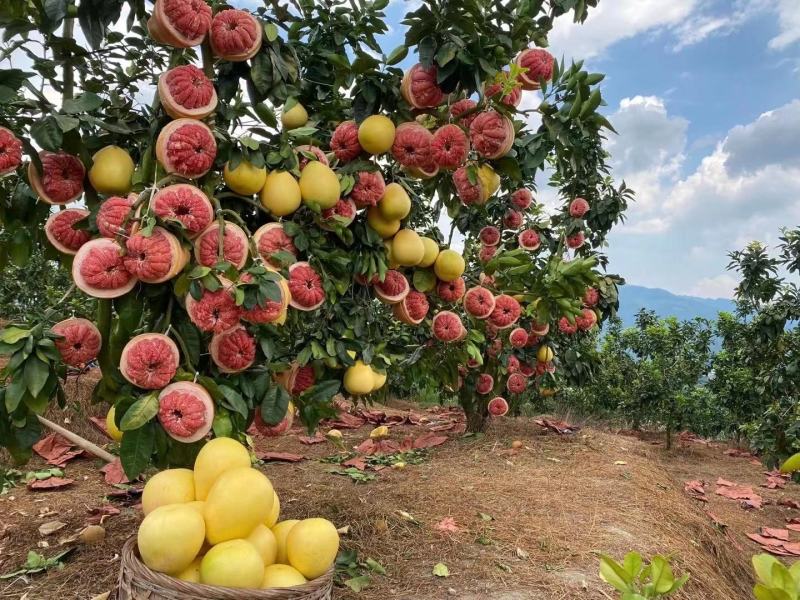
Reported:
(56, 450)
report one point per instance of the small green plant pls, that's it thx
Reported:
(37, 563)
(774, 580)
(354, 573)
(356, 475)
(638, 581)
(9, 478)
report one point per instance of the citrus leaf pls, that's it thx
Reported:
(139, 413)
(136, 450)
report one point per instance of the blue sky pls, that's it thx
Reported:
(706, 97)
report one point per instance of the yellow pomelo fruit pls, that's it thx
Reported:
(379, 433)
(431, 252)
(235, 563)
(295, 117)
(111, 426)
(239, 500)
(197, 505)
(191, 573)
(379, 380)
(276, 510)
(282, 576)
(281, 530)
(489, 179)
(245, 179)
(170, 538)
(544, 354)
(395, 203)
(217, 456)
(449, 265)
(376, 134)
(311, 546)
(359, 379)
(384, 228)
(112, 171)
(407, 248)
(173, 486)
(264, 541)
(791, 464)
(319, 185)
(280, 194)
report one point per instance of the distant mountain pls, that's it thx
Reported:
(633, 298)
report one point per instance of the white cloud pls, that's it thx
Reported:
(789, 22)
(770, 139)
(689, 22)
(648, 153)
(681, 228)
(611, 22)
(724, 20)
(721, 286)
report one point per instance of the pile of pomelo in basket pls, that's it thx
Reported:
(218, 525)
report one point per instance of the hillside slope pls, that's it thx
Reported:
(666, 304)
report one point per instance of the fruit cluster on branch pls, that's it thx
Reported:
(249, 267)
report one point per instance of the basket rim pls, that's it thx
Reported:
(129, 557)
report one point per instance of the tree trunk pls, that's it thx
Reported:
(476, 421)
(474, 409)
(669, 432)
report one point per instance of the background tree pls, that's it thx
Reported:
(768, 302)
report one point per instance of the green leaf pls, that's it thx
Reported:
(426, 49)
(762, 592)
(48, 134)
(271, 32)
(613, 574)
(679, 583)
(66, 123)
(55, 10)
(359, 583)
(15, 392)
(19, 250)
(661, 574)
(95, 16)
(274, 405)
(235, 401)
(136, 449)
(782, 578)
(11, 335)
(222, 425)
(397, 55)
(762, 565)
(632, 563)
(441, 570)
(36, 374)
(446, 53)
(86, 102)
(140, 412)
(322, 391)
(375, 566)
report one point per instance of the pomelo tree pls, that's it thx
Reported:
(765, 339)
(252, 197)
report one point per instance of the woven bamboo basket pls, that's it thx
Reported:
(137, 582)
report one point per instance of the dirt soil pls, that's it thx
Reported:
(553, 505)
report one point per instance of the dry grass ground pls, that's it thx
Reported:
(554, 504)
